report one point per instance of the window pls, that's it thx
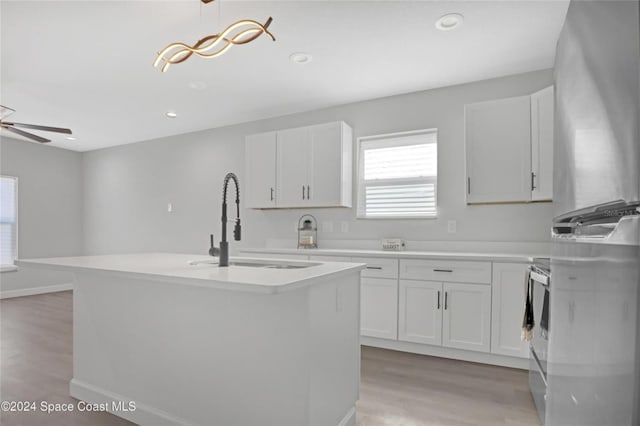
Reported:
(8, 220)
(398, 175)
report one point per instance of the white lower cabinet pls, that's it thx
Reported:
(508, 295)
(448, 314)
(466, 320)
(420, 313)
(470, 305)
(379, 307)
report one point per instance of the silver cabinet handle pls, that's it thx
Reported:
(533, 181)
(468, 185)
(303, 192)
(271, 194)
(374, 267)
(308, 192)
(442, 270)
(438, 299)
(445, 300)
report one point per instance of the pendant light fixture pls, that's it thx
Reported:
(211, 46)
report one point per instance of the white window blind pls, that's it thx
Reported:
(397, 175)
(8, 220)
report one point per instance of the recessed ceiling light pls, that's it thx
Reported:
(71, 138)
(171, 114)
(198, 85)
(449, 21)
(300, 58)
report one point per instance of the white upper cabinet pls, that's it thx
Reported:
(260, 154)
(294, 152)
(330, 179)
(542, 144)
(509, 149)
(498, 150)
(312, 167)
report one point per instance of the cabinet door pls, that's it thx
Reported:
(420, 312)
(508, 293)
(498, 150)
(260, 153)
(467, 316)
(542, 144)
(294, 151)
(379, 308)
(330, 167)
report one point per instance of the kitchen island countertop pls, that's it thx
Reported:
(175, 268)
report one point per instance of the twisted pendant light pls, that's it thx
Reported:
(211, 46)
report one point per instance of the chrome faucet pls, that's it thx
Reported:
(224, 245)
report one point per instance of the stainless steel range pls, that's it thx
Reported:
(539, 291)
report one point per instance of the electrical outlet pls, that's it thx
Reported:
(169, 207)
(452, 226)
(327, 226)
(344, 226)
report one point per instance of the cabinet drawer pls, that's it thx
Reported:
(378, 267)
(446, 270)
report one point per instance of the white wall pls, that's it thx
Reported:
(49, 209)
(127, 188)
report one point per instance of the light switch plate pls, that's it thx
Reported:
(452, 226)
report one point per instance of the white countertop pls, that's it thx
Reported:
(175, 268)
(448, 255)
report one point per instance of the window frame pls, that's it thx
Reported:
(12, 267)
(384, 142)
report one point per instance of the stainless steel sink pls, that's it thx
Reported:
(260, 263)
(247, 264)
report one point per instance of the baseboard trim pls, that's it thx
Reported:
(145, 414)
(349, 419)
(7, 294)
(142, 415)
(462, 355)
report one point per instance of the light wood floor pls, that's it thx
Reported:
(396, 388)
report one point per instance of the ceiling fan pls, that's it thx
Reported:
(14, 127)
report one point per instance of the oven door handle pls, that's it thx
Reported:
(543, 373)
(539, 278)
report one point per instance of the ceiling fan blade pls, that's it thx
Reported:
(37, 127)
(26, 134)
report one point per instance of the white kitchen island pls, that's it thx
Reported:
(204, 345)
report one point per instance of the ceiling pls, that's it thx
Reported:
(87, 64)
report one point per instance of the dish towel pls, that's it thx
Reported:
(544, 318)
(527, 320)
